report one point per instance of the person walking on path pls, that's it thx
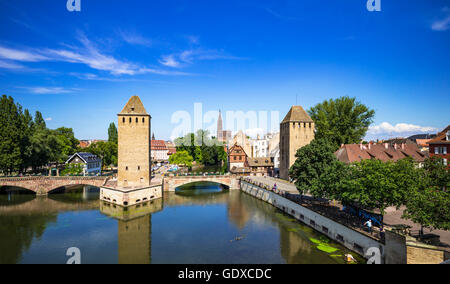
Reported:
(369, 225)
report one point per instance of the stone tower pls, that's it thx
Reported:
(134, 127)
(220, 127)
(296, 131)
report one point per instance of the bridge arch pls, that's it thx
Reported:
(64, 187)
(21, 189)
(44, 185)
(172, 183)
(203, 182)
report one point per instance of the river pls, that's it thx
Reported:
(200, 223)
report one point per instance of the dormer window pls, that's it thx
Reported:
(448, 135)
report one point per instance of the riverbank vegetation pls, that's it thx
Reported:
(374, 184)
(26, 142)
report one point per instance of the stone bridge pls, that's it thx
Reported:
(44, 185)
(171, 183)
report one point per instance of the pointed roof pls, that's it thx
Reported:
(297, 114)
(134, 106)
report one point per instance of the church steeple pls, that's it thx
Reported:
(220, 127)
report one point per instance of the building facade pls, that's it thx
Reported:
(242, 140)
(260, 147)
(160, 151)
(440, 146)
(275, 156)
(237, 158)
(261, 167)
(296, 131)
(134, 128)
(92, 164)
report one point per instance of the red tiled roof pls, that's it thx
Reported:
(158, 145)
(441, 138)
(351, 153)
(423, 142)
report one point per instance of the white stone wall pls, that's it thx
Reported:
(130, 197)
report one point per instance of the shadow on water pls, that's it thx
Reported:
(15, 196)
(75, 194)
(199, 189)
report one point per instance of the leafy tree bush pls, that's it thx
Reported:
(429, 205)
(341, 121)
(317, 171)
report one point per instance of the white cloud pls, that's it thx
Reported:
(10, 65)
(88, 54)
(169, 60)
(400, 128)
(20, 55)
(49, 90)
(48, 119)
(188, 57)
(444, 23)
(134, 38)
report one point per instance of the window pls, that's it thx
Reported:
(143, 119)
(444, 150)
(123, 119)
(130, 119)
(126, 168)
(139, 168)
(137, 120)
(445, 162)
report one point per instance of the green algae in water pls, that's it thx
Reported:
(323, 245)
(315, 241)
(326, 248)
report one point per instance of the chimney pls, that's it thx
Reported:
(361, 146)
(403, 146)
(386, 145)
(370, 145)
(395, 146)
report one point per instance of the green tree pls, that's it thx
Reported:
(341, 121)
(429, 204)
(377, 184)
(112, 133)
(11, 136)
(107, 151)
(317, 171)
(181, 158)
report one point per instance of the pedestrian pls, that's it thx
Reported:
(382, 232)
(274, 187)
(369, 225)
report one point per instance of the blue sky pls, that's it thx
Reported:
(80, 68)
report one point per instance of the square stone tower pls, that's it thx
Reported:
(296, 131)
(134, 130)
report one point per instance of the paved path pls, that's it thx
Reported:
(393, 217)
(281, 184)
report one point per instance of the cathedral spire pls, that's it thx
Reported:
(220, 127)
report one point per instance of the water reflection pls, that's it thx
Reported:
(202, 223)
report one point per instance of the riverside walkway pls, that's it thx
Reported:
(333, 210)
